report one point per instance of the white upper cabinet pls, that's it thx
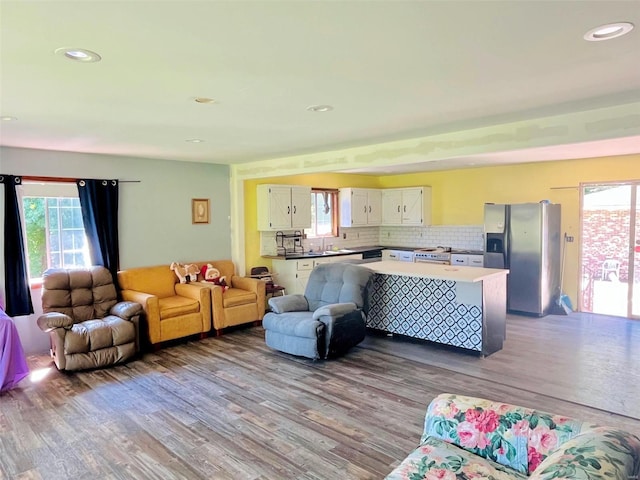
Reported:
(392, 207)
(406, 206)
(413, 206)
(360, 207)
(300, 207)
(374, 214)
(283, 207)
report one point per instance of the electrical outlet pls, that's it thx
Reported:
(344, 236)
(569, 239)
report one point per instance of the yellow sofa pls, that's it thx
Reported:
(171, 309)
(243, 302)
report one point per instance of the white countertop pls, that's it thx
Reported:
(429, 270)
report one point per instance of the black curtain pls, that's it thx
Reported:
(99, 204)
(16, 276)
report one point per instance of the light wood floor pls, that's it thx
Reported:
(230, 408)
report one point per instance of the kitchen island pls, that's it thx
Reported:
(460, 306)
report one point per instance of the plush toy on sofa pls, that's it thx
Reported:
(210, 274)
(185, 273)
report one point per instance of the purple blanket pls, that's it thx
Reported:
(13, 365)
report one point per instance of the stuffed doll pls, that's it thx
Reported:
(185, 273)
(210, 274)
(180, 271)
(192, 272)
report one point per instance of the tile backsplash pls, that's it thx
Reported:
(467, 237)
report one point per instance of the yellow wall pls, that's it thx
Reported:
(459, 195)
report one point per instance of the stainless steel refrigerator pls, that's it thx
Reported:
(525, 238)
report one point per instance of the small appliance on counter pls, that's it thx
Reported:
(289, 243)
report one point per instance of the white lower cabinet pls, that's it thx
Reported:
(467, 260)
(406, 257)
(302, 278)
(397, 255)
(390, 255)
(476, 261)
(293, 275)
(459, 259)
(319, 261)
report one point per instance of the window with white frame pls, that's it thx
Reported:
(52, 220)
(324, 213)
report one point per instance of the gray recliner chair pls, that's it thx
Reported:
(87, 326)
(327, 320)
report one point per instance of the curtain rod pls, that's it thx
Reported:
(64, 179)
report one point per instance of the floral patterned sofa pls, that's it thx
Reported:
(473, 438)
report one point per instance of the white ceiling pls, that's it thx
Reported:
(392, 70)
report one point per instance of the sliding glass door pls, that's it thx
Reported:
(610, 249)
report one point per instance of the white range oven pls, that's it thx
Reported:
(441, 256)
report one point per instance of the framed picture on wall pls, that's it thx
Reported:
(200, 210)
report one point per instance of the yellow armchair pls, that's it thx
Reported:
(171, 309)
(243, 302)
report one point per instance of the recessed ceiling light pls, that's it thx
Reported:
(608, 31)
(79, 54)
(194, 140)
(320, 108)
(8, 119)
(204, 100)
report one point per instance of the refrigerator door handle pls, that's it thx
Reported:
(507, 238)
(505, 255)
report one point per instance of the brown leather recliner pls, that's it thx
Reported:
(88, 328)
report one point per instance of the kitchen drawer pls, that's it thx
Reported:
(391, 255)
(304, 264)
(406, 256)
(397, 255)
(320, 261)
(467, 260)
(476, 261)
(458, 259)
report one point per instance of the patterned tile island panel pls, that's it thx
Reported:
(443, 311)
